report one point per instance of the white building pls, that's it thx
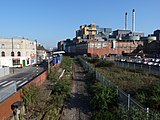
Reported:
(17, 52)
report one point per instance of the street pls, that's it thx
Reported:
(21, 76)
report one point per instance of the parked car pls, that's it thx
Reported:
(150, 63)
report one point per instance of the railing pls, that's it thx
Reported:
(9, 90)
(124, 98)
(149, 68)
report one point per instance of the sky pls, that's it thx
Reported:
(50, 21)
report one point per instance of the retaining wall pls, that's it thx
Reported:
(5, 106)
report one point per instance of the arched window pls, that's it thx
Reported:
(12, 53)
(3, 54)
(18, 53)
(2, 46)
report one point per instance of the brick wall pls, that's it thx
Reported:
(40, 79)
(5, 106)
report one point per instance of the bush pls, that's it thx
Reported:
(93, 60)
(105, 63)
(62, 87)
(103, 96)
(106, 115)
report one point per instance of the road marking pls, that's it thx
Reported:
(3, 82)
(22, 83)
(8, 83)
(18, 82)
(16, 78)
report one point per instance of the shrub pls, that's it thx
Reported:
(105, 63)
(103, 96)
(93, 60)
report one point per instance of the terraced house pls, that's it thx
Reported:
(17, 52)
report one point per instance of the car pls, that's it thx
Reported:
(150, 63)
(155, 63)
(145, 62)
(122, 60)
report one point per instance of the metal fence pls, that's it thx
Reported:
(149, 68)
(7, 91)
(125, 99)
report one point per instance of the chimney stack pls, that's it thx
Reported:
(126, 21)
(133, 20)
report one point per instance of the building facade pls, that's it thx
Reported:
(42, 54)
(92, 32)
(157, 34)
(17, 52)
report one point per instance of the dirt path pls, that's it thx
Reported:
(78, 106)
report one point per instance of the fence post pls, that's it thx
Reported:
(117, 90)
(141, 66)
(128, 101)
(103, 79)
(149, 69)
(147, 113)
(128, 106)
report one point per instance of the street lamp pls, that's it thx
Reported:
(36, 50)
(12, 54)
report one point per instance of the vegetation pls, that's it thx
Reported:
(60, 90)
(35, 101)
(104, 63)
(46, 102)
(103, 100)
(139, 84)
(91, 60)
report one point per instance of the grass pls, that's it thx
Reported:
(141, 85)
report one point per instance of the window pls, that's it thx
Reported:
(12, 53)
(3, 54)
(18, 46)
(18, 53)
(16, 62)
(2, 46)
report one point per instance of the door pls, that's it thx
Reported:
(24, 63)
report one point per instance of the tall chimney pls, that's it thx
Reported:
(126, 21)
(133, 20)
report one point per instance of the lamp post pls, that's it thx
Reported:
(36, 50)
(12, 54)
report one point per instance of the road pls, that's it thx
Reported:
(78, 105)
(21, 76)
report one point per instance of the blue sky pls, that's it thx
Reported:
(50, 21)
